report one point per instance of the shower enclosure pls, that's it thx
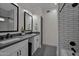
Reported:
(68, 28)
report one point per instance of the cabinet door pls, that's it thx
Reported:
(24, 50)
(15, 53)
(36, 43)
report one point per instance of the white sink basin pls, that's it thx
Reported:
(33, 34)
(27, 36)
(30, 34)
(10, 40)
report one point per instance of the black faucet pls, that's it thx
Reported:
(7, 36)
(1, 38)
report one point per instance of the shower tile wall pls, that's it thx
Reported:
(68, 24)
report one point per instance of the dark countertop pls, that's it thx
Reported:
(22, 38)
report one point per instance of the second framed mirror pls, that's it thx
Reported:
(28, 22)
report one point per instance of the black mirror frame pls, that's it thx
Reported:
(25, 22)
(17, 20)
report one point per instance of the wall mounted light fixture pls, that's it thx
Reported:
(2, 19)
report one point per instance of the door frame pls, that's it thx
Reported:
(41, 30)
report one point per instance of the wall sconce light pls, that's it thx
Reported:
(2, 19)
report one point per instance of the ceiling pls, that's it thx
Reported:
(33, 7)
(6, 6)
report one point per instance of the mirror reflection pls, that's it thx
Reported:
(8, 17)
(27, 22)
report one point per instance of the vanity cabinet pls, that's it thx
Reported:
(18, 49)
(35, 43)
(21, 48)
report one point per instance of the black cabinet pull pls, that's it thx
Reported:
(20, 52)
(17, 53)
(73, 54)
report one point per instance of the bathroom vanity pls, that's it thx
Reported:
(18, 46)
(17, 43)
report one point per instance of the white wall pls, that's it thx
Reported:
(50, 28)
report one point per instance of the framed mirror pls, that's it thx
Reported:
(9, 15)
(28, 22)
